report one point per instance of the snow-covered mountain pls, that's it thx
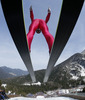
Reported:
(75, 66)
(69, 73)
(83, 52)
(73, 69)
(6, 72)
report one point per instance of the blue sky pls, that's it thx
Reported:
(39, 50)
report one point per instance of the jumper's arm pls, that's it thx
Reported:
(31, 13)
(48, 15)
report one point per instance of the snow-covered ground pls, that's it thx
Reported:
(41, 98)
(38, 83)
(4, 85)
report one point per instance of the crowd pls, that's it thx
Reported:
(2, 94)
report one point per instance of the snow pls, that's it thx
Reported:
(82, 71)
(9, 92)
(40, 97)
(38, 83)
(74, 77)
(12, 74)
(27, 84)
(83, 58)
(4, 85)
(83, 52)
(63, 91)
(84, 79)
(53, 98)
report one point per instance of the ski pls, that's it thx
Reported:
(68, 17)
(13, 12)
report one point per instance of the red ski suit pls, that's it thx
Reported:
(39, 24)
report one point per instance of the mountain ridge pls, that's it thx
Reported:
(69, 73)
(6, 72)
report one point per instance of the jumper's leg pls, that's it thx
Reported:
(31, 32)
(49, 38)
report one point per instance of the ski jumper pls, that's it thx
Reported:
(39, 25)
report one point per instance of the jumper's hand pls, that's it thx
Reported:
(31, 8)
(49, 10)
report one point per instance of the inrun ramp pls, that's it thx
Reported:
(14, 17)
(68, 17)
